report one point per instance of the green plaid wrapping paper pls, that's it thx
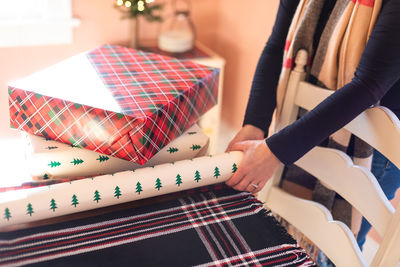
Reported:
(208, 226)
(147, 101)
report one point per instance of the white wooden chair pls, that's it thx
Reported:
(379, 127)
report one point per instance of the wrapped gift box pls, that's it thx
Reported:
(114, 100)
(49, 159)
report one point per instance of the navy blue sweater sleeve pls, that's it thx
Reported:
(377, 72)
(262, 100)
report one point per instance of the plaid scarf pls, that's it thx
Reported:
(333, 64)
(342, 41)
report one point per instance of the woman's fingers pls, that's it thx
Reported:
(261, 185)
(240, 146)
(243, 184)
(233, 145)
(248, 132)
(238, 181)
(257, 166)
(236, 177)
(250, 183)
(253, 187)
(229, 148)
(241, 171)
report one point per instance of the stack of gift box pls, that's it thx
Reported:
(112, 109)
(105, 115)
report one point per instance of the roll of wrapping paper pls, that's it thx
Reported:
(91, 193)
(48, 159)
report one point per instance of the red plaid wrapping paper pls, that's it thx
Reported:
(144, 101)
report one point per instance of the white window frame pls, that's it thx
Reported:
(54, 26)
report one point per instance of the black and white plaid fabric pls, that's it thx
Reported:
(218, 227)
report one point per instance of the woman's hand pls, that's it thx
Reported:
(256, 168)
(248, 132)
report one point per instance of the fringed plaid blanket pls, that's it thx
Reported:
(219, 227)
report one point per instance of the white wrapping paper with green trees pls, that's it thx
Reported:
(80, 195)
(49, 159)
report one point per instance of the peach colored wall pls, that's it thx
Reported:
(242, 31)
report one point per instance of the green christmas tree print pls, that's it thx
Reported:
(195, 147)
(46, 176)
(117, 192)
(74, 200)
(197, 177)
(53, 205)
(102, 158)
(172, 150)
(158, 184)
(54, 164)
(216, 173)
(96, 196)
(29, 209)
(7, 214)
(77, 161)
(234, 168)
(178, 180)
(139, 188)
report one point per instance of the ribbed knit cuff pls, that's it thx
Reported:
(278, 150)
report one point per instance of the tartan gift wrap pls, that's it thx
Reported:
(114, 100)
(204, 227)
(49, 159)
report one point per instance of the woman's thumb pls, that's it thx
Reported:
(239, 146)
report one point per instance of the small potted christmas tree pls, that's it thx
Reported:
(133, 9)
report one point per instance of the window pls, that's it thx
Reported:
(36, 22)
